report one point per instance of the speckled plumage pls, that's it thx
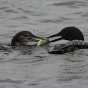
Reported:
(68, 47)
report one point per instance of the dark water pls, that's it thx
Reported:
(37, 68)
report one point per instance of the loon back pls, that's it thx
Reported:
(67, 47)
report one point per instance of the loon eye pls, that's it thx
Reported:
(25, 35)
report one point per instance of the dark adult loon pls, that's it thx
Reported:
(22, 37)
(74, 35)
(68, 33)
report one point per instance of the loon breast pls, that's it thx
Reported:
(68, 47)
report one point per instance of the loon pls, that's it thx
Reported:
(21, 38)
(68, 33)
(75, 37)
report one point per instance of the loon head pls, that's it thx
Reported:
(68, 33)
(22, 37)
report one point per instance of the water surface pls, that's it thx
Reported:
(35, 68)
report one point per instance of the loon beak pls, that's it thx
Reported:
(55, 35)
(34, 39)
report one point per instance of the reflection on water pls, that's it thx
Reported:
(33, 67)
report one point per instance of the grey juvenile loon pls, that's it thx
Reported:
(22, 37)
(74, 35)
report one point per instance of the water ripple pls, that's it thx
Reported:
(10, 11)
(70, 3)
(51, 21)
(2, 8)
(33, 13)
(10, 81)
(34, 67)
